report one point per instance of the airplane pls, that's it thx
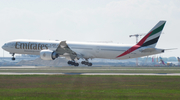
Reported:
(178, 59)
(73, 51)
(162, 61)
(166, 63)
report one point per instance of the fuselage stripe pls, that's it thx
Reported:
(138, 45)
(150, 42)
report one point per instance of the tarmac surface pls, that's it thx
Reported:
(157, 74)
(34, 70)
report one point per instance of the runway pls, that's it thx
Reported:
(146, 74)
(34, 70)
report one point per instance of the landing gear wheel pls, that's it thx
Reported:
(13, 58)
(86, 63)
(73, 63)
(83, 62)
(89, 64)
(76, 64)
(69, 62)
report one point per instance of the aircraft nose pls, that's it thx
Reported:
(2, 47)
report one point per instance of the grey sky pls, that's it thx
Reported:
(89, 20)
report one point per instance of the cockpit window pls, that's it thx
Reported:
(5, 45)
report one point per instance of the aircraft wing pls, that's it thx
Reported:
(171, 49)
(64, 51)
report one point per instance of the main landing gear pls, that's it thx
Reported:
(73, 63)
(86, 63)
(13, 58)
(77, 64)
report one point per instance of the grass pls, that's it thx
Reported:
(68, 87)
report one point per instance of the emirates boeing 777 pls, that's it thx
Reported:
(50, 50)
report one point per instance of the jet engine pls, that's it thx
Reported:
(48, 55)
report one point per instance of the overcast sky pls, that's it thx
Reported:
(89, 20)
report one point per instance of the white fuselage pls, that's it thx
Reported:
(32, 47)
(84, 49)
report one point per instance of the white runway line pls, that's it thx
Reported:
(18, 70)
(17, 67)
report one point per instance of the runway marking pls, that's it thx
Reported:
(22, 70)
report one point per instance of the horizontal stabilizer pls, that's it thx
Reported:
(171, 49)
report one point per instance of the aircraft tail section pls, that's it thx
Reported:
(149, 40)
(178, 59)
(153, 35)
(162, 61)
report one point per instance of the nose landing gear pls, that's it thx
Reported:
(13, 58)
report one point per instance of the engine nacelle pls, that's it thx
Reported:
(48, 55)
